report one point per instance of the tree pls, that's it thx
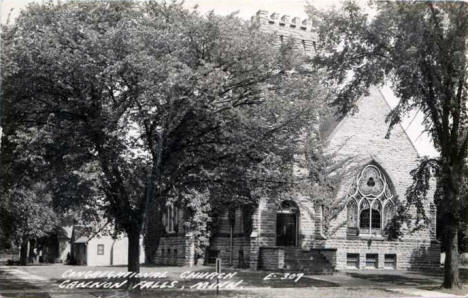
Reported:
(420, 48)
(157, 101)
(37, 184)
(464, 229)
(26, 199)
(247, 117)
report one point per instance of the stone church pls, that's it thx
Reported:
(288, 234)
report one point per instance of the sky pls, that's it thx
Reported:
(246, 9)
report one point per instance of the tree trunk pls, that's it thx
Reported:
(451, 277)
(133, 250)
(153, 232)
(450, 207)
(154, 211)
(24, 251)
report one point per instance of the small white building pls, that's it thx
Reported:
(100, 250)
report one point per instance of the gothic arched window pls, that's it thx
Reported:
(368, 194)
(170, 218)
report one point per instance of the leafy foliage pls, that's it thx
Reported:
(395, 229)
(148, 104)
(422, 183)
(327, 176)
(420, 48)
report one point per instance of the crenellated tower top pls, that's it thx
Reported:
(286, 27)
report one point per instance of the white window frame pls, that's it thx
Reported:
(100, 252)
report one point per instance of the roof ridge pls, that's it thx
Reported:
(340, 122)
(399, 123)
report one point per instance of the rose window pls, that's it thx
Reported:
(371, 183)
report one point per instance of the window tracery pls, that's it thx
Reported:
(370, 205)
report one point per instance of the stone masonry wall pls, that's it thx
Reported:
(176, 250)
(271, 258)
(240, 250)
(361, 137)
(410, 255)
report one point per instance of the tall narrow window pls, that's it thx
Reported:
(389, 211)
(175, 218)
(375, 219)
(364, 218)
(171, 218)
(352, 214)
(164, 219)
(352, 221)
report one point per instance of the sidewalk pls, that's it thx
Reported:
(424, 293)
(14, 282)
(19, 283)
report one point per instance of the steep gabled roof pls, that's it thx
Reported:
(331, 124)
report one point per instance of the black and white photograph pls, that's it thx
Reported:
(233, 148)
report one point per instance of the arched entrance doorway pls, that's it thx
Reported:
(287, 224)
